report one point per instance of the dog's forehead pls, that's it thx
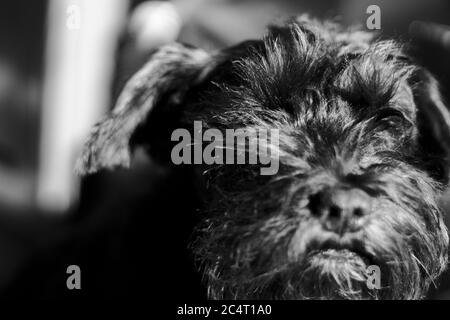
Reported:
(301, 68)
(306, 61)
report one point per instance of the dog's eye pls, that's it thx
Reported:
(390, 115)
(392, 120)
(385, 113)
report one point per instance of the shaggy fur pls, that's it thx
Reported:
(352, 113)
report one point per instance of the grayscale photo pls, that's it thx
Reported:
(189, 151)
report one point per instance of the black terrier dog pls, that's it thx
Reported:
(364, 141)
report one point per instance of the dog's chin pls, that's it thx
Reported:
(321, 275)
(315, 265)
(334, 274)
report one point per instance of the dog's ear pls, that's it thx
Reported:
(434, 124)
(168, 76)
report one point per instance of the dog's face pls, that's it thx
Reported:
(362, 160)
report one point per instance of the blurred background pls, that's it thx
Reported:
(62, 65)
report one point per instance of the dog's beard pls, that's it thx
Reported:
(247, 251)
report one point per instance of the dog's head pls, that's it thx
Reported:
(363, 146)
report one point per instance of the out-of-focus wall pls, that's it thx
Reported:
(82, 37)
(21, 47)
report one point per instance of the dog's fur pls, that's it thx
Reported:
(351, 111)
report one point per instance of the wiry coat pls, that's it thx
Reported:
(350, 111)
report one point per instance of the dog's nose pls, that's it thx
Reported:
(340, 210)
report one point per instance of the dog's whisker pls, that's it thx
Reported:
(424, 269)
